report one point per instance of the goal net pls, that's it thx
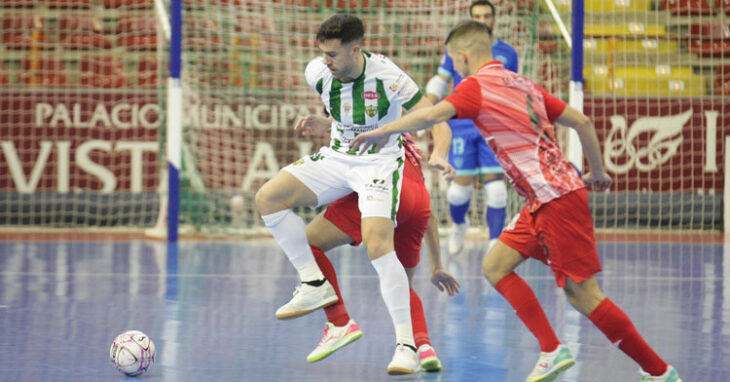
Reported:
(83, 99)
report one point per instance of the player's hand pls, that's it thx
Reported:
(441, 164)
(445, 281)
(313, 125)
(598, 182)
(365, 141)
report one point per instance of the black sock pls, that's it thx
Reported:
(315, 283)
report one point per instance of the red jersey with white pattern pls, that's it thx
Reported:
(413, 155)
(519, 115)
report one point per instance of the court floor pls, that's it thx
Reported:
(209, 306)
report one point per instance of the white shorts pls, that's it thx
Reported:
(332, 175)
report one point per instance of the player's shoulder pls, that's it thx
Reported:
(505, 47)
(381, 65)
(316, 70)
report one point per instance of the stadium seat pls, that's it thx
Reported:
(3, 75)
(137, 32)
(722, 80)
(634, 29)
(709, 48)
(147, 72)
(725, 6)
(17, 3)
(82, 32)
(617, 5)
(202, 34)
(129, 4)
(21, 30)
(46, 71)
(709, 31)
(70, 4)
(687, 7)
(649, 45)
(102, 72)
(661, 80)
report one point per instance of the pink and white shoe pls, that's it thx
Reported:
(428, 359)
(334, 339)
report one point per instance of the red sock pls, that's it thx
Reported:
(418, 321)
(617, 326)
(528, 309)
(336, 313)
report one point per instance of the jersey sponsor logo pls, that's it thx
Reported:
(371, 95)
(371, 111)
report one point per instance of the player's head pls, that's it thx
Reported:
(469, 41)
(483, 11)
(340, 39)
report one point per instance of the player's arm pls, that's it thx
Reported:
(441, 278)
(437, 87)
(583, 125)
(417, 120)
(441, 134)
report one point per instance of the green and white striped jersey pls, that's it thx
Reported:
(371, 100)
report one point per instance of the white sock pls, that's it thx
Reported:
(396, 294)
(290, 232)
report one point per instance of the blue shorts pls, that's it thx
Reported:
(470, 155)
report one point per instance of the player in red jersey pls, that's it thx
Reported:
(555, 226)
(340, 224)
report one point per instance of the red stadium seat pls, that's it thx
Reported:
(102, 72)
(21, 31)
(70, 4)
(202, 34)
(3, 76)
(725, 6)
(137, 32)
(722, 80)
(129, 4)
(17, 3)
(709, 31)
(43, 71)
(710, 48)
(147, 72)
(82, 32)
(687, 7)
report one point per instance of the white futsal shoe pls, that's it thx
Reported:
(456, 239)
(405, 361)
(308, 298)
(334, 339)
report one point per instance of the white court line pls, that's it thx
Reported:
(264, 276)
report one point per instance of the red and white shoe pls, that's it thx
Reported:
(428, 358)
(334, 339)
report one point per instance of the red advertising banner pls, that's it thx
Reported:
(652, 145)
(67, 141)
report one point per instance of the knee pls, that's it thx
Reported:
(496, 193)
(491, 270)
(457, 194)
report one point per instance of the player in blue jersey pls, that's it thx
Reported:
(470, 155)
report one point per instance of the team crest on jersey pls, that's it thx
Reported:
(371, 111)
(393, 87)
(371, 95)
(347, 107)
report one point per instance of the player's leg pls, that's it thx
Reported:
(463, 158)
(458, 195)
(588, 299)
(498, 267)
(323, 235)
(379, 187)
(495, 189)
(305, 183)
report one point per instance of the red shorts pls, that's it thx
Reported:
(412, 218)
(560, 234)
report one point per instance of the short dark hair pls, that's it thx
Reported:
(482, 2)
(342, 26)
(467, 27)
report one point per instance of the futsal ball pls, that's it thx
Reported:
(132, 352)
